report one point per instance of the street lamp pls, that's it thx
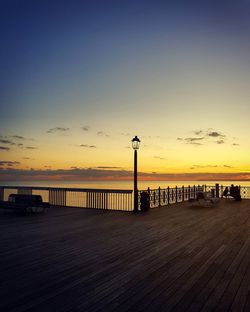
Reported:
(135, 144)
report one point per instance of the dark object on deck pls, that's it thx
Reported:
(233, 192)
(25, 203)
(145, 202)
(225, 192)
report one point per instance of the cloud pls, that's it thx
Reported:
(126, 134)
(161, 158)
(215, 134)
(194, 141)
(93, 174)
(101, 133)
(8, 163)
(19, 137)
(87, 146)
(58, 129)
(85, 128)
(203, 166)
(198, 132)
(209, 166)
(191, 140)
(31, 147)
(3, 141)
(220, 142)
(108, 167)
(235, 144)
(209, 133)
(4, 148)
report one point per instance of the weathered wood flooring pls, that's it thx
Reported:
(175, 258)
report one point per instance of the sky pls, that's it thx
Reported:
(79, 79)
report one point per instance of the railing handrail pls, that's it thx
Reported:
(69, 189)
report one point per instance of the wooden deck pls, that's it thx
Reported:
(175, 258)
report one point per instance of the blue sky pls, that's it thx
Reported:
(162, 70)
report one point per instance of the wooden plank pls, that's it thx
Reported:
(176, 257)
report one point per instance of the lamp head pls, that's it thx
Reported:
(136, 143)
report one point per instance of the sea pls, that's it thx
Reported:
(120, 185)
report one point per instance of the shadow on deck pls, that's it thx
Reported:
(175, 258)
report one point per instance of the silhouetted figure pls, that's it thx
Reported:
(225, 192)
(232, 190)
(237, 195)
(235, 192)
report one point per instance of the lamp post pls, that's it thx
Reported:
(135, 144)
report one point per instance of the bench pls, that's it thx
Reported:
(205, 199)
(25, 203)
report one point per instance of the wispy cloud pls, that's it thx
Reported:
(101, 133)
(19, 137)
(191, 139)
(3, 141)
(4, 148)
(210, 166)
(87, 146)
(126, 134)
(85, 128)
(81, 174)
(58, 129)
(160, 158)
(8, 163)
(215, 134)
(30, 147)
(204, 136)
(220, 142)
(198, 132)
(107, 167)
(203, 166)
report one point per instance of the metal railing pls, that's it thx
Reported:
(162, 197)
(116, 199)
(76, 197)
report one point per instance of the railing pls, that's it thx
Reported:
(116, 199)
(161, 197)
(244, 190)
(76, 197)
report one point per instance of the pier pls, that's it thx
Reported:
(173, 258)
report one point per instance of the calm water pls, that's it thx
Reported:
(122, 185)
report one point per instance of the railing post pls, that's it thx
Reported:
(149, 197)
(217, 190)
(159, 196)
(168, 195)
(194, 192)
(221, 190)
(183, 195)
(189, 191)
(176, 195)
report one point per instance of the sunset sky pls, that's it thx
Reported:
(79, 79)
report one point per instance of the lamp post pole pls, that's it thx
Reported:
(135, 144)
(135, 182)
